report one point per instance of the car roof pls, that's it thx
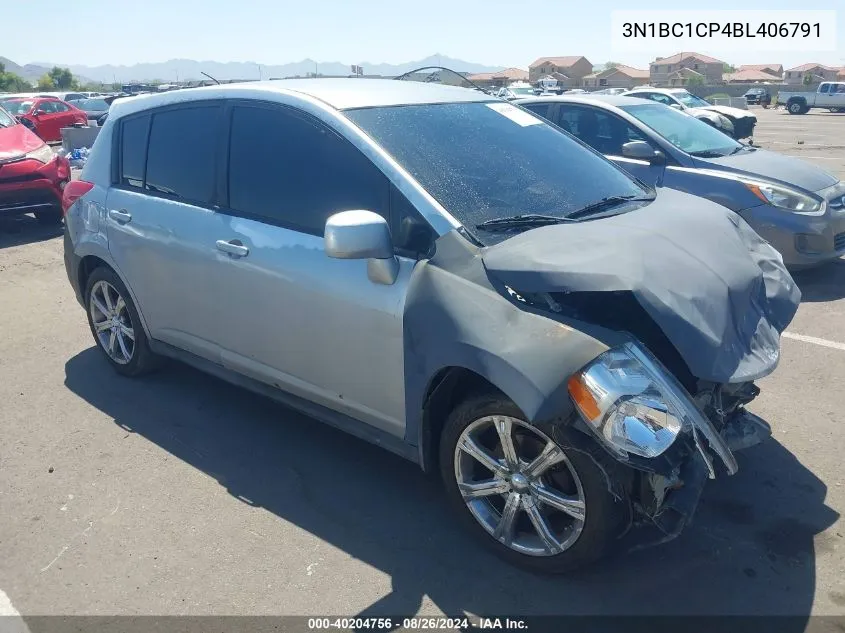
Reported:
(611, 100)
(340, 94)
(667, 91)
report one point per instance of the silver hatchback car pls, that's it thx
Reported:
(446, 275)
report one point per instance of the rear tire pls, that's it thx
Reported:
(796, 107)
(574, 538)
(49, 216)
(116, 325)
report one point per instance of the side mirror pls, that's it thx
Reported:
(363, 235)
(641, 150)
(677, 106)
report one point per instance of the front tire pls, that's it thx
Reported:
(116, 325)
(538, 503)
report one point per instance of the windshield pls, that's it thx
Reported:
(522, 91)
(483, 161)
(18, 107)
(684, 131)
(91, 105)
(690, 100)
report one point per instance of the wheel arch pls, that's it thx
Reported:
(88, 263)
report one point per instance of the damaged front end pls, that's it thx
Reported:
(669, 404)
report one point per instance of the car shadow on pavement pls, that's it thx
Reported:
(825, 283)
(751, 550)
(24, 229)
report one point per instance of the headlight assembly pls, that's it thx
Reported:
(784, 197)
(43, 154)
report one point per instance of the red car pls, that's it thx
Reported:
(32, 177)
(46, 115)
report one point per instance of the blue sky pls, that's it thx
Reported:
(495, 32)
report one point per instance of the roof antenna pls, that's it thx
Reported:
(210, 77)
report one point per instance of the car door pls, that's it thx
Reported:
(607, 133)
(161, 223)
(47, 120)
(837, 96)
(66, 116)
(292, 317)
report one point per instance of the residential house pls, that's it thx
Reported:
(618, 76)
(814, 73)
(840, 76)
(567, 70)
(776, 70)
(750, 76)
(500, 78)
(679, 69)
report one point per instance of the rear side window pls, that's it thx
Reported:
(540, 109)
(182, 153)
(295, 172)
(133, 149)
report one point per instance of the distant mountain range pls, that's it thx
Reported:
(187, 69)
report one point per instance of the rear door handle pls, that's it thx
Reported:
(233, 248)
(120, 216)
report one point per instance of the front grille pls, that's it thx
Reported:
(743, 128)
(839, 241)
(21, 201)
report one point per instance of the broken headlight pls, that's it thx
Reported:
(783, 197)
(626, 399)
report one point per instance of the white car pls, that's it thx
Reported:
(732, 121)
(516, 91)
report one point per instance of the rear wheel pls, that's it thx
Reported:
(116, 326)
(539, 504)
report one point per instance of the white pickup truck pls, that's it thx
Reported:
(830, 95)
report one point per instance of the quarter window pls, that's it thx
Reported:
(133, 148)
(293, 171)
(182, 153)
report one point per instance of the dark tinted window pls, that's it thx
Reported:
(182, 153)
(540, 109)
(133, 148)
(600, 130)
(412, 234)
(290, 170)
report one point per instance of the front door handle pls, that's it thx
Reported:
(233, 247)
(120, 216)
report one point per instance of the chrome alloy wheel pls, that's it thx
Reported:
(112, 323)
(519, 485)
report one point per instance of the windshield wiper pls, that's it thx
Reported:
(707, 153)
(522, 221)
(605, 203)
(741, 148)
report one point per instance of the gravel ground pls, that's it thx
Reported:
(179, 494)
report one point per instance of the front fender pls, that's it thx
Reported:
(455, 317)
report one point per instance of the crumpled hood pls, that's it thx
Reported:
(774, 166)
(735, 113)
(719, 292)
(17, 140)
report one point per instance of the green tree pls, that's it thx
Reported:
(45, 82)
(695, 80)
(808, 79)
(728, 68)
(10, 82)
(57, 79)
(611, 64)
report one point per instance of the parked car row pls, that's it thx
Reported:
(32, 177)
(45, 116)
(795, 206)
(570, 346)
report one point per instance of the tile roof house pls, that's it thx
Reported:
(677, 69)
(499, 78)
(574, 68)
(618, 76)
(814, 73)
(775, 70)
(750, 76)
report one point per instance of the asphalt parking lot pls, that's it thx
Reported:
(179, 494)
